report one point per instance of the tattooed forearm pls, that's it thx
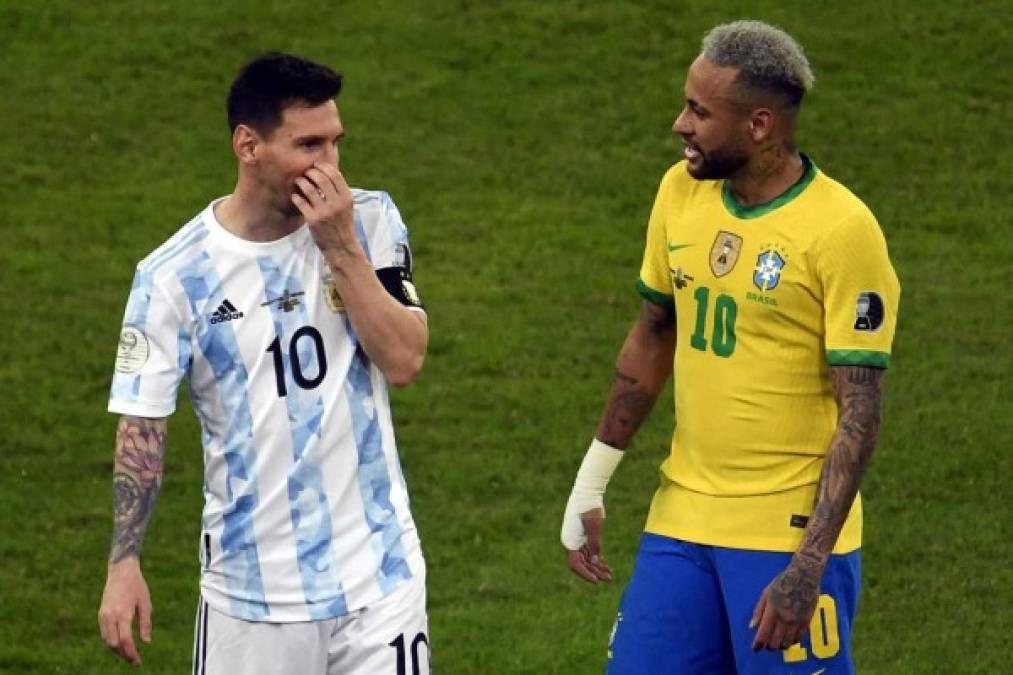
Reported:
(137, 477)
(625, 413)
(644, 364)
(859, 392)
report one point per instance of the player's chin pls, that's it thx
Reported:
(697, 168)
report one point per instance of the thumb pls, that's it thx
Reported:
(758, 610)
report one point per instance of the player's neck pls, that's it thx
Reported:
(768, 176)
(249, 216)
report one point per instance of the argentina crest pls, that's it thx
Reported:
(725, 252)
(331, 294)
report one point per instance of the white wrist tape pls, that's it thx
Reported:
(588, 492)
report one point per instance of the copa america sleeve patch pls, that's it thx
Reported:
(869, 312)
(132, 352)
(398, 279)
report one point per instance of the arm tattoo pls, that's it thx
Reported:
(645, 363)
(859, 393)
(662, 318)
(137, 477)
(623, 377)
(626, 411)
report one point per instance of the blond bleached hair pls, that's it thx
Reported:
(767, 58)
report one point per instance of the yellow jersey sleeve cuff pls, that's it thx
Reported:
(651, 295)
(858, 357)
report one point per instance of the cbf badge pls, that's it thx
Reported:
(331, 294)
(725, 253)
(767, 274)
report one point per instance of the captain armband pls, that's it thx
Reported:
(398, 279)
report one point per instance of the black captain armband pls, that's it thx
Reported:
(398, 279)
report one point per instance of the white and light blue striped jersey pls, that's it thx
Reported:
(306, 512)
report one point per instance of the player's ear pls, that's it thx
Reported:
(761, 124)
(244, 143)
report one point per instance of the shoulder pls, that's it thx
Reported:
(178, 249)
(372, 199)
(377, 211)
(832, 197)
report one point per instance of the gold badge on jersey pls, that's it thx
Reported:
(725, 252)
(331, 295)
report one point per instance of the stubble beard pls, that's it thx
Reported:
(718, 164)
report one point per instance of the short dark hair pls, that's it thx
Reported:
(274, 81)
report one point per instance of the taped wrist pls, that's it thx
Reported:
(588, 492)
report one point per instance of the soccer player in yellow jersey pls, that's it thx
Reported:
(770, 295)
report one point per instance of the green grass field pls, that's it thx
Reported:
(523, 142)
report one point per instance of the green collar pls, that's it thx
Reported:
(740, 211)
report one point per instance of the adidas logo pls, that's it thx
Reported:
(225, 312)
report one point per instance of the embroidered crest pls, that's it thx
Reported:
(331, 294)
(768, 270)
(725, 252)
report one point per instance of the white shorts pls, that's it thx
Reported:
(390, 636)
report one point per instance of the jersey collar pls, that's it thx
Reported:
(740, 211)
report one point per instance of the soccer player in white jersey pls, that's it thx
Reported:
(288, 306)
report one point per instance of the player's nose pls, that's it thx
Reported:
(681, 124)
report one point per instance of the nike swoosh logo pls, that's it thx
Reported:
(676, 247)
(821, 670)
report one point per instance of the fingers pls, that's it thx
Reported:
(322, 192)
(754, 621)
(144, 611)
(588, 570)
(125, 596)
(580, 567)
(765, 626)
(796, 636)
(311, 195)
(772, 632)
(777, 637)
(330, 173)
(125, 646)
(117, 634)
(327, 180)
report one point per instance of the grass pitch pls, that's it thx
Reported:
(523, 142)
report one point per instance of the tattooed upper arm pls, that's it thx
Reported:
(137, 477)
(660, 318)
(859, 393)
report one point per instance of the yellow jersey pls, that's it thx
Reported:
(766, 298)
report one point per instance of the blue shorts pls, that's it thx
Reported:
(687, 610)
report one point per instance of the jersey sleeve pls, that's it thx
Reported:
(861, 294)
(153, 353)
(392, 256)
(655, 283)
